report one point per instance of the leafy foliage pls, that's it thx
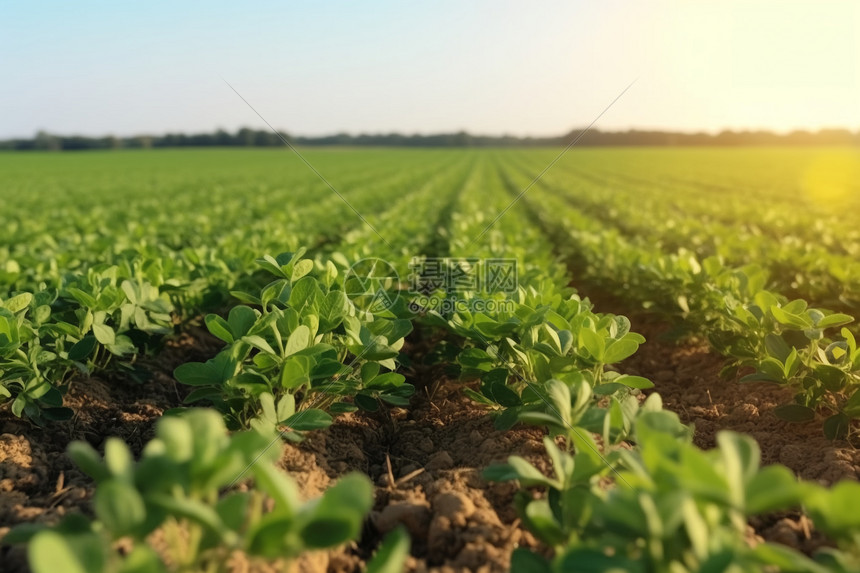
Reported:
(99, 282)
(306, 349)
(175, 487)
(672, 507)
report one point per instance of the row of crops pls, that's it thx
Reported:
(313, 306)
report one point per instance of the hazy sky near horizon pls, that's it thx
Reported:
(490, 67)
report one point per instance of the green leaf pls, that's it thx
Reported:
(392, 379)
(836, 426)
(131, 291)
(89, 460)
(301, 268)
(477, 397)
(298, 340)
(286, 407)
(559, 396)
(784, 558)
(218, 327)
(651, 424)
(203, 393)
(634, 381)
(142, 559)
(852, 406)
(81, 552)
(118, 459)
(280, 487)
(520, 469)
(82, 349)
(270, 264)
(87, 300)
(19, 404)
(501, 394)
(335, 306)
(366, 403)
(759, 376)
(18, 303)
(328, 531)
(741, 458)
(562, 462)
(330, 273)
(476, 358)
(24, 532)
(42, 314)
(548, 419)
(193, 510)
(507, 419)
(796, 321)
(593, 342)
(295, 372)
(540, 520)
(500, 472)
(259, 343)
(794, 413)
(797, 306)
(394, 400)
(57, 414)
(240, 320)
(104, 334)
(119, 507)
(215, 371)
(342, 408)
(178, 439)
(619, 350)
(523, 560)
(773, 488)
(836, 511)
(832, 377)
(392, 554)
(267, 407)
(270, 536)
(836, 319)
(304, 294)
(777, 346)
(245, 297)
(194, 374)
(339, 514)
(369, 371)
(310, 419)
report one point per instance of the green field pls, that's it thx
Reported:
(107, 257)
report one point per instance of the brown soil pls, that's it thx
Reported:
(686, 374)
(39, 483)
(426, 462)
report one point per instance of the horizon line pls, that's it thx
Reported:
(502, 135)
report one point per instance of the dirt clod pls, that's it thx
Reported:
(440, 461)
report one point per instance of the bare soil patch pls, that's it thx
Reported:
(426, 462)
(686, 374)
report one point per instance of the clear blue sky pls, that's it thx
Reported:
(541, 67)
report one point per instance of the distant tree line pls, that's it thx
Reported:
(246, 137)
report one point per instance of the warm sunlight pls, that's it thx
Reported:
(832, 176)
(483, 67)
(473, 286)
(752, 64)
